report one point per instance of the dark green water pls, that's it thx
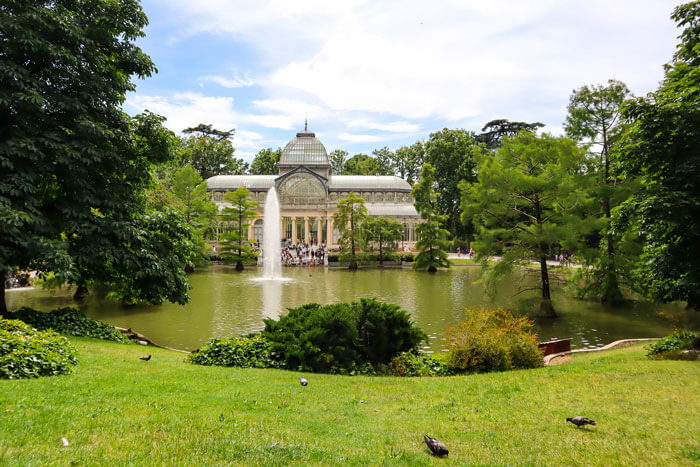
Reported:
(226, 303)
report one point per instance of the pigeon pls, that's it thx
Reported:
(303, 381)
(580, 421)
(146, 358)
(438, 448)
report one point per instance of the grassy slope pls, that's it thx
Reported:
(117, 409)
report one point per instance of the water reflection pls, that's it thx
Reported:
(226, 303)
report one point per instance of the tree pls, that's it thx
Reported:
(383, 232)
(362, 164)
(265, 162)
(432, 241)
(497, 129)
(235, 247)
(595, 119)
(527, 198)
(348, 220)
(385, 158)
(337, 159)
(661, 147)
(453, 154)
(210, 152)
(74, 166)
(408, 161)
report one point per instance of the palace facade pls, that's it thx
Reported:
(309, 192)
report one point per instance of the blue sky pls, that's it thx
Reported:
(388, 73)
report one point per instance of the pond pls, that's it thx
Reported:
(227, 303)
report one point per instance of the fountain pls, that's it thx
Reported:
(272, 254)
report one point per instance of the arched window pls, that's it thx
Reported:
(302, 188)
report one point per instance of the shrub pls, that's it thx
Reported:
(333, 258)
(28, 353)
(671, 347)
(413, 363)
(492, 340)
(253, 351)
(407, 257)
(343, 337)
(68, 321)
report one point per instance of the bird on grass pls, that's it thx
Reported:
(438, 448)
(303, 381)
(580, 421)
(146, 358)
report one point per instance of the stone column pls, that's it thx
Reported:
(329, 231)
(251, 229)
(283, 233)
(294, 230)
(306, 229)
(318, 230)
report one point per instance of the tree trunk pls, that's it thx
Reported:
(3, 305)
(81, 292)
(610, 290)
(546, 305)
(239, 266)
(353, 265)
(432, 269)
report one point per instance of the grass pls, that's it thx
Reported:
(116, 409)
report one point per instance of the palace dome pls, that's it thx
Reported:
(306, 150)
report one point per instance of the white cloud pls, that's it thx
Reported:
(354, 138)
(236, 82)
(394, 127)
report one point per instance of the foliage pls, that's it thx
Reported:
(348, 219)
(595, 120)
(235, 246)
(385, 158)
(672, 345)
(529, 197)
(28, 353)
(252, 351)
(492, 340)
(210, 152)
(661, 148)
(498, 129)
(384, 233)
(453, 154)
(362, 164)
(265, 162)
(408, 161)
(414, 363)
(337, 159)
(74, 165)
(432, 243)
(68, 321)
(342, 337)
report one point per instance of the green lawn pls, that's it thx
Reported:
(116, 409)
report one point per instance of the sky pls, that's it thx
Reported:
(369, 74)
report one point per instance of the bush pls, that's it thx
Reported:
(343, 337)
(413, 363)
(28, 353)
(68, 321)
(408, 257)
(251, 351)
(672, 346)
(492, 340)
(333, 258)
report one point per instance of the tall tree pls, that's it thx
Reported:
(210, 151)
(408, 161)
(662, 149)
(453, 154)
(433, 242)
(384, 233)
(265, 162)
(362, 164)
(337, 158)
(495, 130)
(74, 166)
(385, 158)
(595, 120)
(348, 219)
(235, 247)
(527, 199)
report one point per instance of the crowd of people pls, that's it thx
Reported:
(463, 251)
(303, 254)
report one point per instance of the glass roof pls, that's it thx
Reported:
(305, 149)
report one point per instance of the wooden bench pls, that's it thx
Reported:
(555, 346)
